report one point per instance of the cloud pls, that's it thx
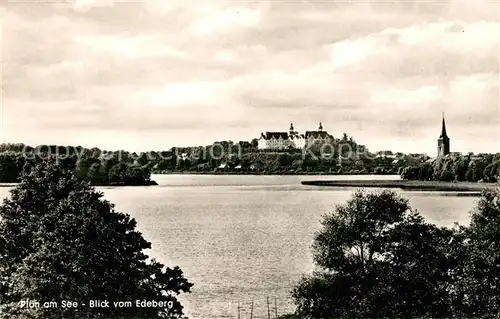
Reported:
(124, 45)
(421, 96)
(207, 95)
(382, 72)
(84, 5)
(344, 53)
(225, 21)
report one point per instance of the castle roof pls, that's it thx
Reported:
(317, 134)
(276, 135)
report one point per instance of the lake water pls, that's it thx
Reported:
(239, 238)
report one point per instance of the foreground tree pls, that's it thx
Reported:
(378, 259)
(60, 241)
(478, 277)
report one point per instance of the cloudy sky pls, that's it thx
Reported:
(156, 74)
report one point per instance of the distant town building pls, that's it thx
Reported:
(443, 141)
(223, 166)
(292, 139)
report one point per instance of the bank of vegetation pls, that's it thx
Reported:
(63, 244)
(102, 167)
(378, 258)
(343, 156)
(456, 167)
(98, 167)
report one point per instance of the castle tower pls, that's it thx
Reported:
(443, 141)
(292, 130)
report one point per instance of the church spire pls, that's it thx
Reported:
(443, 129)
(443, 141)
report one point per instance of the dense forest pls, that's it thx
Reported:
(93, 165)
(456, 167)
(376, 257)
(102, 167)
(64, 246)
(341, 156)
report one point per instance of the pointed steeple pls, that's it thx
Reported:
(443, 130)
(443, 141)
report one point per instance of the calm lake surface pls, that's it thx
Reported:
(243, 237)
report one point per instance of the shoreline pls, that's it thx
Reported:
(149, 183)
(407, 185)
(270, 174)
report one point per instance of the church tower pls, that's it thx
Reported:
(443, 141)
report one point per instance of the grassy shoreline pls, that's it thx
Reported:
(407, 185)
(254, 173)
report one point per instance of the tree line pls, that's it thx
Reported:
(339, 156)
(92, 165)
(102, 167)
(378, 258)
(470, 168)
(63, 244)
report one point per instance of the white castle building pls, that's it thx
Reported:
(292, 139)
